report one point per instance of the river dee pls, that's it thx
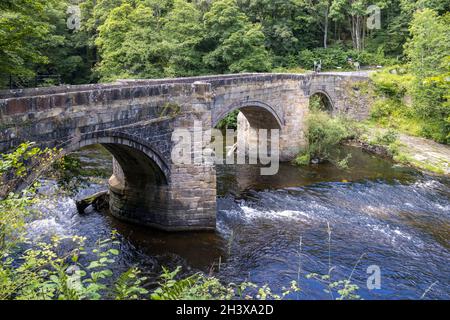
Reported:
(275, 229)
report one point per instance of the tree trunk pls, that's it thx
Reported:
(357, 31)
(325, 32)
(364, 23)
(353, 32)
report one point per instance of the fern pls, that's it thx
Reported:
(171, 289)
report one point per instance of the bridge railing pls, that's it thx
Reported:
(214, 79)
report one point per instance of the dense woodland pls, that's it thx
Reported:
(165, 38)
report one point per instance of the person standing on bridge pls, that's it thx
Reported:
(317, 66)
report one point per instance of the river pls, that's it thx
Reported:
(274, 229)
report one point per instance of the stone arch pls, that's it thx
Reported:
(325, 99)
(131, 154)
(255, 111)
(141, 176)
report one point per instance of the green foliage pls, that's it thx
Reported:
(416, 99)
(34, 39)
(171, 289)
(386, 138)
(428, 52)
(429, 43)
(229, 122)
(284, 24)
(13, 214)
(16, 166)
(141, 39)
(201, 287)
(43, 272)
(129, 285)
(68, 173)
(17, 160)
(336, 57)
(345, 289)
(393, 82)
(160, 38)
(237, 44)
(23, 30)
(324, 135)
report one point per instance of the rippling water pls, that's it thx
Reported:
(269, 228)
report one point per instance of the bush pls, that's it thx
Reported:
(386, 138)
(428, 113)
(332, 58)
(392, 82)
(336, 58)
(229, 122)
(324, 135)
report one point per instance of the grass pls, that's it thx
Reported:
(396, 107)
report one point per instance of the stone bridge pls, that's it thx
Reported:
(135, 119)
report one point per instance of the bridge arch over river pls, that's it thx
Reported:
(135, 119)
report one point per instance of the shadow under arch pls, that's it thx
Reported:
(325, 100)
(138, 161)
(140, 181)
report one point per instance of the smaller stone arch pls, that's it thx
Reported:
(249, 107)
(325, 99)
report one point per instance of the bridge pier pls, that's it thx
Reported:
(187, 203)
(186, 199)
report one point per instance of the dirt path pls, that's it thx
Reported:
(426, 154)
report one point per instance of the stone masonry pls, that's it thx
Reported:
(135, 119)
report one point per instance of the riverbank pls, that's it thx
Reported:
(417, 152)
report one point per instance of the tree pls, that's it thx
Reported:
(24, 28)
(396, 18)
(354, 11)
(66, 54)
(429, 43)
(428, 50)
(145, 39)
(287, 25)
(183, 33)
(129, 43)
(320, 10)
(237, 44)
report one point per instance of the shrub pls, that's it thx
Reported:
(229, 122)
(392, 82)
(429, 112)
(325, 133)
(336, 57)
(386, 138)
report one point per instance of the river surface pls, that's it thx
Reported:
(274, 229)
